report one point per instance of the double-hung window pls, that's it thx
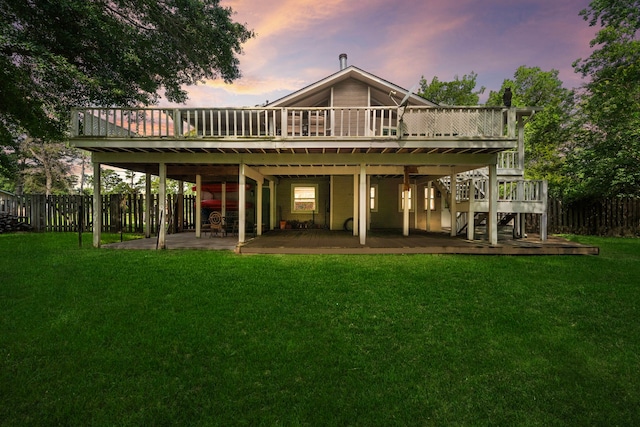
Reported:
(373, 198)
(429, 198)
(304, 198)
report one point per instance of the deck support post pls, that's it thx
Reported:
(406, 189)
(162, 201)
(272, 204)
(471, 223)
(368, 202)
(147, 209)
(521, 145)
(362, 223)
(179, 209)
(453, 207)
(223, 200)
(198, 205)
(242, 204)
(492, 220)
(428, 207)
(97, 206)
(259, 185)
(356, 199)
(545, 216)
(518, 221)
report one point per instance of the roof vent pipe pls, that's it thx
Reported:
(343, 61)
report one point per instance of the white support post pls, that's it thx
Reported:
(147, 210)
(429, 201)
(97, 206)
(492, 221)
(453, 205)
(521, 145)
(471, 221)
(405, 211)
(162, 201)
(369, 202)
(223, 201)
(272, 204)
(259, 185)
(242, 205)
(518, 222)
(198, 206)
(331, 190)
(511, 122)
(179, 214)
(356, 198)
(364, 195)
(544, 217)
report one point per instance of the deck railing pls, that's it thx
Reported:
(516, 190)
(508, 160)
(288, 123)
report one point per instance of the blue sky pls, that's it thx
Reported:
(298, 42)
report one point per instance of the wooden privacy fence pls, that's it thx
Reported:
(607, 217)
(120, 212)
(126, 213)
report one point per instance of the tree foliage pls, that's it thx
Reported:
(45, 168)
(456, 92)
(56, 54)
(605, 159)
(547, 132)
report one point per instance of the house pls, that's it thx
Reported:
(351, 150)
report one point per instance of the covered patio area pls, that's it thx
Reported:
(320, 241)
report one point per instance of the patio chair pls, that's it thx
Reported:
(216, 223)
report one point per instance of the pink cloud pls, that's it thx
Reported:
(298, 42)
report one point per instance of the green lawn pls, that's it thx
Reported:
(104, 337)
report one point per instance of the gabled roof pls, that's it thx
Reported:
(317, 92)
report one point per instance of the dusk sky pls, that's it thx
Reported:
(298, 42)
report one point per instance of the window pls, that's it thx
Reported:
(304, 198)
(412, 190)
(387, 131)
(373, 198)
(429, 199)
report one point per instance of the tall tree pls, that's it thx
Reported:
(456, 92)
(547, 133)
(45, 167)
(605, 160)
(56, 54)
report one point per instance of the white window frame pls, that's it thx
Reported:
(293, 198)
(412, 191)
(373, 198)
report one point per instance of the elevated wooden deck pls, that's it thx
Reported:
(378, 242)
(393, 242)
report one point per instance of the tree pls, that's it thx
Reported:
(605, 159)
(45, 167)
(547, 133)
(54, 55)
(456, 92)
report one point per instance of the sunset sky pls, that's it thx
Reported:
(298, 42)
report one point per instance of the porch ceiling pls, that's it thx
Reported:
(219, 160)
(333, 146)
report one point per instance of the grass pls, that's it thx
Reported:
(97, 337)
